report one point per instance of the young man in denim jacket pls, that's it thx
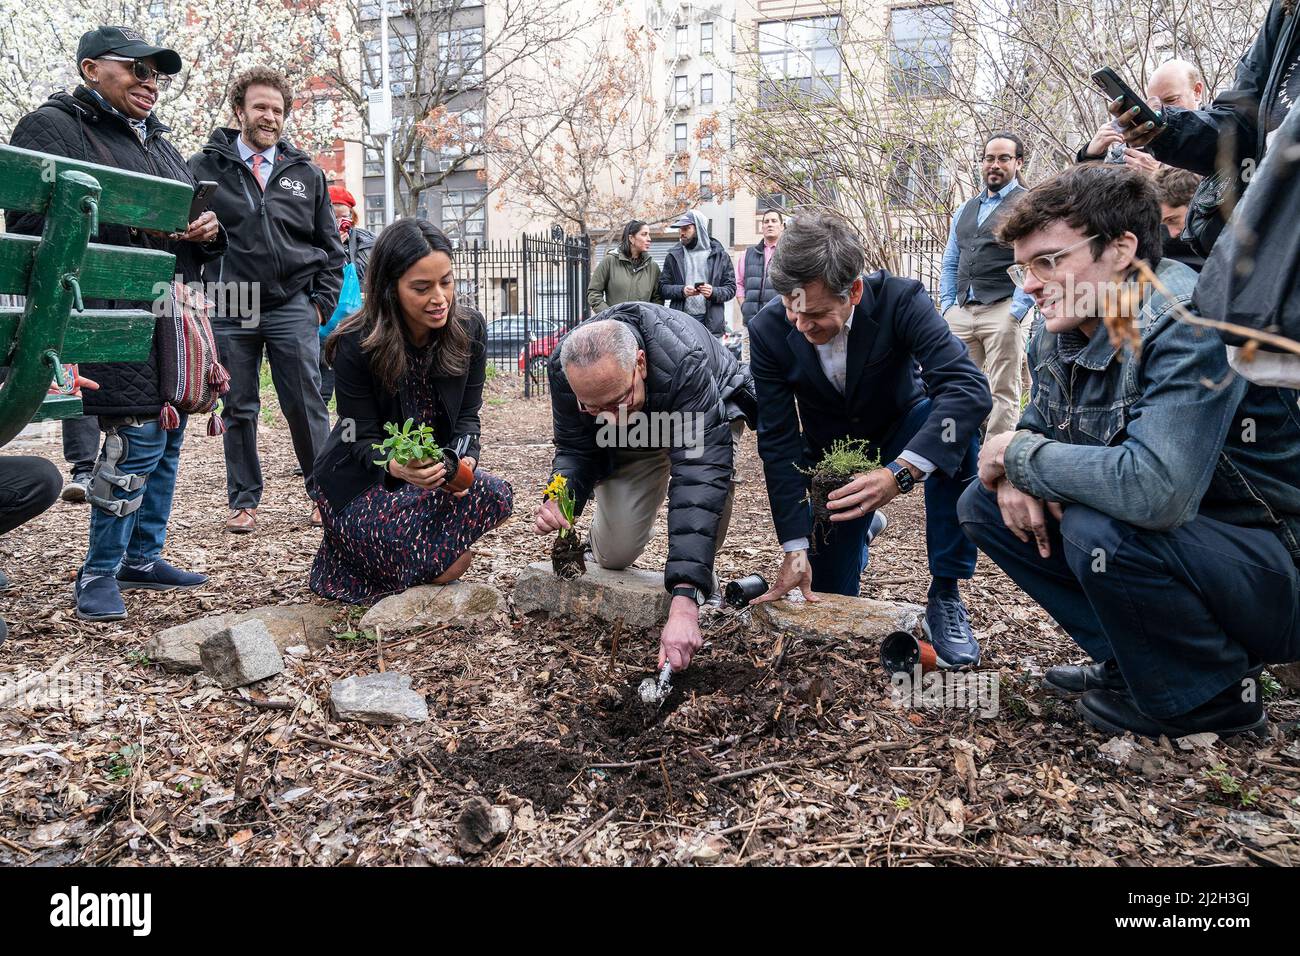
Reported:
(1149, 498)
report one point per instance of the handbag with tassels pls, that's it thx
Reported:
(191, 374)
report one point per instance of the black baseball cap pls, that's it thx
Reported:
(125, 42)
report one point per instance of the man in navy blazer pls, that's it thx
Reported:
(860, 356)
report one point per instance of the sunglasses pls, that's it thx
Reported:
(1044, 266)
(143, 71)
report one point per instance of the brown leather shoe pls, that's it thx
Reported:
(242, 521)
(315, 518)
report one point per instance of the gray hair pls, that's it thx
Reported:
(817, 246)
(592, 341)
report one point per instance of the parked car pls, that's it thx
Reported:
(506, 336)
(534, 359)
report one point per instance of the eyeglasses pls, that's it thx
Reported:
(624, 399)
(143, 71)
(1044, 267)
(1003, 158)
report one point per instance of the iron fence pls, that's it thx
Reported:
(530, 292)
(920, 256)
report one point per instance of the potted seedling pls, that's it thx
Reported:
(410, 442)
(844, 459)
(567, 559)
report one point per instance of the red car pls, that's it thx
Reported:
(534, 358)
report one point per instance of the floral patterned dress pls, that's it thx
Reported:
(385, 541)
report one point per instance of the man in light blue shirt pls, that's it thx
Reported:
(976, 295)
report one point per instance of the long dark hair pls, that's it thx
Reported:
(630, 230)
(383, 331)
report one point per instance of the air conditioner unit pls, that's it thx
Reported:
(444, 165)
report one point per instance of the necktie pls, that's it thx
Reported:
(258, 162)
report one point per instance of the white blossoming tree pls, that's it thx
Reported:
(216, 39)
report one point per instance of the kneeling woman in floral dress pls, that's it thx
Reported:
(411, 352)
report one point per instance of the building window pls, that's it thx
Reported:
(464, 214)
(799, 60)
(374, 162)
(465, 133)
(706, 38)
(679, 179)
(683, 40)
(920, 50)
(401, 63)
(460, 57)
(681, 93)
(374, 213)
(679, 137)
(706, 184)
(706, 88)
(731, 231)
(917, 178)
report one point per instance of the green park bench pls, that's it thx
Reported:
(62, 268)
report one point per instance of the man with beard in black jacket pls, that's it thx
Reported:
(285, 248)
(646, 402)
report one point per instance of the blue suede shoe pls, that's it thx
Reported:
(949, 627)
(99, 600)
(161, 577)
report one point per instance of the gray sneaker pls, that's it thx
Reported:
(76, 489)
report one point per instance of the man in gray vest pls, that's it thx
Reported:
(976, 295)
(753, 290)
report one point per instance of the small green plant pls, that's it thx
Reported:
(902, 803)
(1229, 788)
(407, 443)
(846, 457)
(119, 765)
(1271, 689)
(139, 658)
(357, 635)
(491, 372)
(567, 558)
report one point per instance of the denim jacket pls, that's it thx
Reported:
(1154, 439)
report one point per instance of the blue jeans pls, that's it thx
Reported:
(1184, 613)
(839, 550)
(138, 537)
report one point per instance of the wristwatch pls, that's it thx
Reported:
(687, 591)
(902, 477)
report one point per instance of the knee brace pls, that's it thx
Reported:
(106, 476)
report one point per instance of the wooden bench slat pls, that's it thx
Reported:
(107, 272)
(127, 198)
(58, 408)
(118, 336)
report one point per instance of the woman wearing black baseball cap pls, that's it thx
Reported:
(109, 120)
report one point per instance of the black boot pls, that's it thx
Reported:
(1225, 714)
(1071, 679)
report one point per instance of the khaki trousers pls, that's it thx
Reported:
(997, 345)
(628, 502)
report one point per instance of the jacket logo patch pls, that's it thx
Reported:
(293, 185)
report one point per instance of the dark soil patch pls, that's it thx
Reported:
(630, 718)
(535, 771)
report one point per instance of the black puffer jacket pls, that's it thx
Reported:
(79, 127)
(688, 371)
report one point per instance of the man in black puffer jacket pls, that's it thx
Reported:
(644, 400)
(110, 121)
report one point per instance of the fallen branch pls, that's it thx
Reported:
(581, 838)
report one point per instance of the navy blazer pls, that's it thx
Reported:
(900, 352)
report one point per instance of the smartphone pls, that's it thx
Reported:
(203, 193)
(1115, 88)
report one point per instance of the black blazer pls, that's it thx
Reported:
(900, 352)
(346, 465)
